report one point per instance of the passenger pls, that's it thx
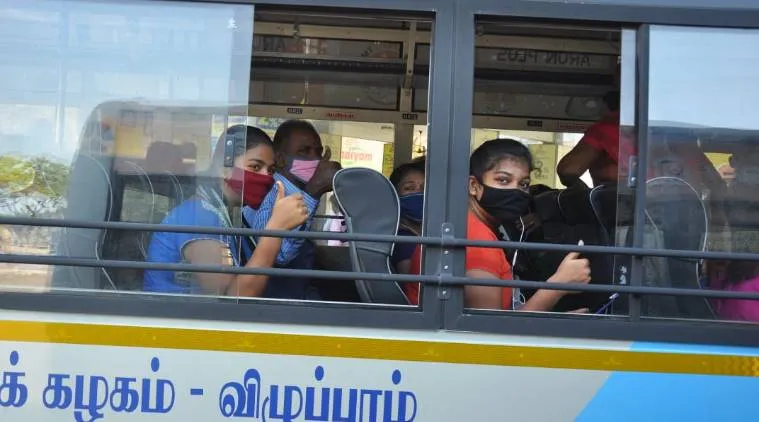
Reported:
(739, 277)
(408, 180)
(598, 151)
(498, 183)
(303, 168)
(247, 182)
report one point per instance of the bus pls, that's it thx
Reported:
(110, 113)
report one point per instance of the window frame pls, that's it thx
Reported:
(632, 327)
(450, 119)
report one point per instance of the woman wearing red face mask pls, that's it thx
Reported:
(241, 174)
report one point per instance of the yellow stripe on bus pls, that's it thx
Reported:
(379, 349)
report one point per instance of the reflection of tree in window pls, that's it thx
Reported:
(33, 187)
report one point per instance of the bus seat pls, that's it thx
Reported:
(574, 204)
(89, 197)
(536, 264)
(614, 210)
(677, 214)
(164, 157)
(603, 201)
(546, 207)
(136, 203)
(582, 224)
(180, 192)
(334, 258)
(370, 205)
(141, 198)
(552, 223)
(163, 162)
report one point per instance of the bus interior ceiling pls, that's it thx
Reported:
(532, 77)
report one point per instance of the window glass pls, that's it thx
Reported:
(535, 79)
(106, 114)
(544, 161)
(339, 73)
(702, 186)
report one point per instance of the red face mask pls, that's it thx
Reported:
(253, 187)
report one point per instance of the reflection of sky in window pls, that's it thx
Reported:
(706, 77)
(160, 53)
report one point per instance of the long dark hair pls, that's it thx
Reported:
(490, 153)
(417, 165)
(243, 138)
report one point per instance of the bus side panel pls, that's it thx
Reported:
(53, 371)
(77, 382)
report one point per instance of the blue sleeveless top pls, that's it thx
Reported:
(169, 247)
(201, 212)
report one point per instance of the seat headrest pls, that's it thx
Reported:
(369, 200)
(370, 206)
(164, 157)
(547, 206)
(667, 195)
(603, 199)
(670, 189)
(574, 204)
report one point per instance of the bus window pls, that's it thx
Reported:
(353, 85)
(106, 114)
(153, 120)
(538, 91)
(701, 192)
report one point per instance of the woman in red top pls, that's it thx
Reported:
(499, 178)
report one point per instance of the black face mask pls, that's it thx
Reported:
(505, 205)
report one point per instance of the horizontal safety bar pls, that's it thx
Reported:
(353, 275)
(362, 237)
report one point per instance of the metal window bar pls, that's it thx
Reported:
(442, 242)
(442, 279)
(641, 170)
(661, 12)
(452, 261)
(440, 97)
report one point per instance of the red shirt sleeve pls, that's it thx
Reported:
(603, 137)
(486, 259)
(491, 260)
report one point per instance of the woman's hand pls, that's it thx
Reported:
(572, 270)
(289, 211)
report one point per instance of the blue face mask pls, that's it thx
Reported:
(412, 206)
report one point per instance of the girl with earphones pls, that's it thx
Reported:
(499, 179)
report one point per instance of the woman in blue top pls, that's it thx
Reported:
(408, 180)
(240, 174)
